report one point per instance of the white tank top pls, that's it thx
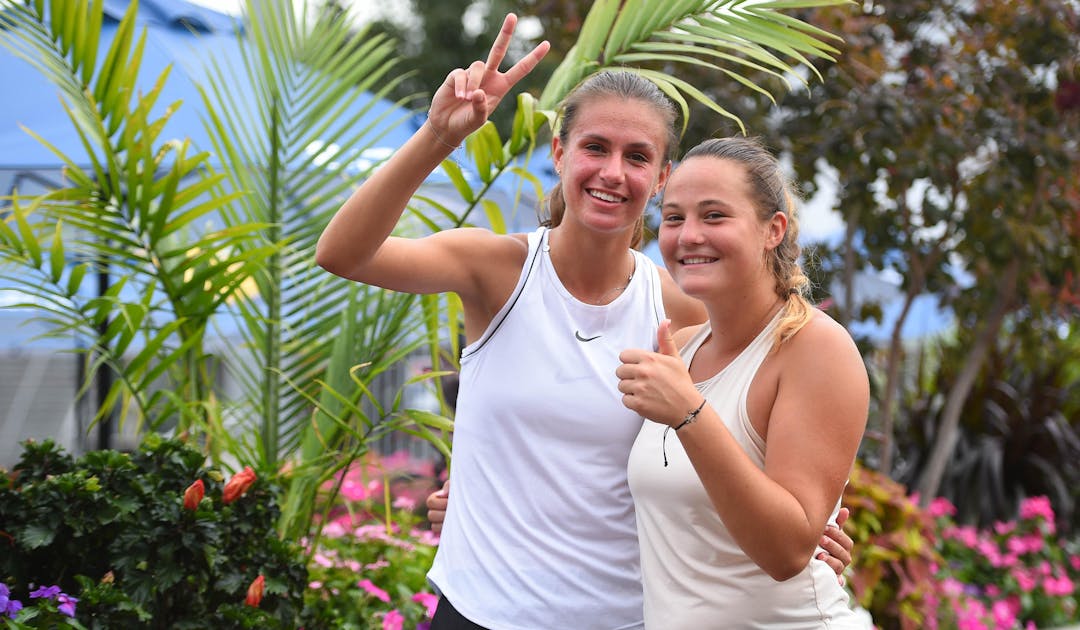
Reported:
(695, 574)
(540, 530)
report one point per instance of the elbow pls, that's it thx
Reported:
(782, 572)
(783, 567)
(325, 257)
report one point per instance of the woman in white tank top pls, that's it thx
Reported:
(752, 430)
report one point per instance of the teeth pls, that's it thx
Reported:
(604, 196)
(696, 260)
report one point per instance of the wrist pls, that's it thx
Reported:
(690, 417)
(440, 137)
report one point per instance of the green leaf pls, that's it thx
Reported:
(494, 216)
(56, 255)
(36, 536)
(457, 178)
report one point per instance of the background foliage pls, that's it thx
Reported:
(111, 528)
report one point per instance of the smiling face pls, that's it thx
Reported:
(712, 237)
(612, 161)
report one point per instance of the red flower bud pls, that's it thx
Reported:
(255, 592)
(194, 494)
(238, 485)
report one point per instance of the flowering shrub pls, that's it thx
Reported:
(368, 567)
(48, 607)
(917, 568)
(894, 556)
(1014, 575)
(119, 542)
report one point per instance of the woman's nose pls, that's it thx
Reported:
(690, 231)
(612, 168)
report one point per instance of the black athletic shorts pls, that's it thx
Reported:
(447, 617)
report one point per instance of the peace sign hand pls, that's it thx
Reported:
(467, 97)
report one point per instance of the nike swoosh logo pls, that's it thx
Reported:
(577, 333)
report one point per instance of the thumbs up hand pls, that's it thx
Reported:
(664, 342)
(657, 385)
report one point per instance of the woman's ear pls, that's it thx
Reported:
(777, 228)
(557, 154)
(661, 181)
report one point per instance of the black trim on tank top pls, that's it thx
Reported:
(514, 299)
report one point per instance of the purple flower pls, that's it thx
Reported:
(66, 604)
(45, 591)
(13, 608)
(8, 606)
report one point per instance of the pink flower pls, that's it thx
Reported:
(375, 591)
(966, 535)
(428, 537)
(352, 490)
(952, 587)
(1034, 507)
(1024, 580)
(941, 507)
(429, 600)
(1062, 586)
(1004, 615)
(1032, 543)
(398, 460)
(405, 503)
(970, 614)
(990, 550)
(333, 529)
(393, 620)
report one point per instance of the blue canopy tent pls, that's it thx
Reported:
(178, 33)
(37, 384)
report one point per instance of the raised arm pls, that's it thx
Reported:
(356, 244)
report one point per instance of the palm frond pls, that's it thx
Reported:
(729, 36)
(134, 205)
(295, 161)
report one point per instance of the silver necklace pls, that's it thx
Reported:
(629, 277)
